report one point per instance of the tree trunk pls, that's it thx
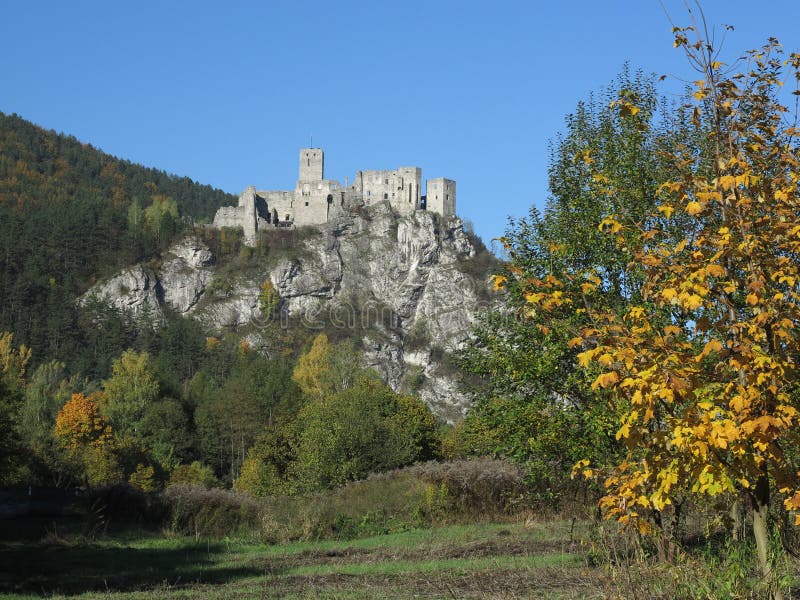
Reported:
(738, 518)
(761, 534)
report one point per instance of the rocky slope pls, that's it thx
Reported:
(402, 286)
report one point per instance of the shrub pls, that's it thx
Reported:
(124, 505)
(476, 486)
(365, 429)
(193, 474)
(210, 513)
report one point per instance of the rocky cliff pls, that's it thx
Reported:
(406, 288)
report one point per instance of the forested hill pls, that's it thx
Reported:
(69, 214)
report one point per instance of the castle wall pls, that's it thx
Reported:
(312, 200)
(400, 187)
(247, 201)
(228, 216)
(280, 204)
(441, 196)
(316, 200)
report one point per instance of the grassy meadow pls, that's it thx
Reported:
(497, 560)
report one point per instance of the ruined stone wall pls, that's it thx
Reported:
(280, 204)
(400, 187)
(409, 193)
(312, 200)
(247, 202)
(316, 200)
(228, 216)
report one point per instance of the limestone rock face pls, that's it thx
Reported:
(399, 285)
(135, 291)
(185, 277)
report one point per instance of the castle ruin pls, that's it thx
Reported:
(316, 200)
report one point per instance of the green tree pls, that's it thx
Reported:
(161, 217)
(227, 424)
(268, 298)
(329, 368)
(195, 473)
(130, 390)
(537, 408)
(165, 432)
(355, 432)
(13, 364)
(47, 391)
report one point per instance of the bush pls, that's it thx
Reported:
(124, 505)
(210, 513)
(422, 495)
(476, 486)
(195, 473)
(362, 430)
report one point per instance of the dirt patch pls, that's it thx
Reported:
(345, 556)
(505, 584)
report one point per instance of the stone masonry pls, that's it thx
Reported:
(316, 200)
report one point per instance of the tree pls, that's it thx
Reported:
(329, 368)
(227, 423)
(47, 391)
(702, 371)
(162, 217)
(13, 363)
(164, 429)
(536, 407)
(195, 473)
(131, 388)
(313, 370)
(268, 299)
(80, 423)
(355, 432)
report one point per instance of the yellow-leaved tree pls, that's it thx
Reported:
(703, 373)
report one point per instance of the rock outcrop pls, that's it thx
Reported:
(402, 285)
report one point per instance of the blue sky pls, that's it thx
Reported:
(227, 93)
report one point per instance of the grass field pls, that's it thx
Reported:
(509, 560)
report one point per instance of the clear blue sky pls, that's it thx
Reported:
(226, 93)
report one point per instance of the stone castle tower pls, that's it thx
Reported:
(315, 200)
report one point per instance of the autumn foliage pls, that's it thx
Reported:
(80, 423)
(703, 370)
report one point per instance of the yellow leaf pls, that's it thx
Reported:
(670, 295)
(576, 341)
(606, 360)
(666, 210)
(727, 182)
(712, 346)
(694, 208)
(609, 225)
(605, 380)
(499, 282)
(626, 109)
(752, 299)
(690, 301)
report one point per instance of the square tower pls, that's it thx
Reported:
(441, 196)
(312, 164)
